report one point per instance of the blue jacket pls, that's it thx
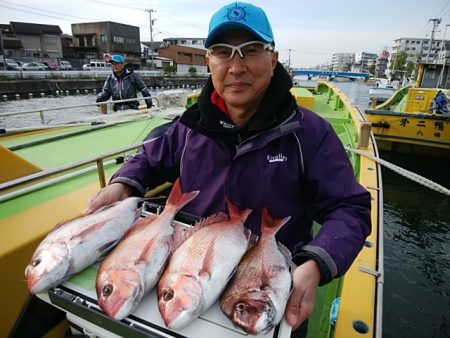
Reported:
(290, 161)
(123, 87)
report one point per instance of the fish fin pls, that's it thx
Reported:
(147, 248)
(235, 213)
(215, 218)
(86, 232)
(208, 261)
(177, 198)
(269, 225)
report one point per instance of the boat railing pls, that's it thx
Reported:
(102, 106)
(10, 187)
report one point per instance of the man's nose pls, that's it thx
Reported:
(237, 63)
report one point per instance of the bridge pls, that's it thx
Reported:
(330, 73)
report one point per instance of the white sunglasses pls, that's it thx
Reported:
(224, 51)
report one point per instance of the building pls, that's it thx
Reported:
(189, 42)
(382, 64)
(363, 61)
(342, 61)
(67, 46)
(11, 45)
(418, 50)
(184, 58)
(31, 40)
(92, 41)
(150, 48)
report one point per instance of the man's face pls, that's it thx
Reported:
(117, 67)
(241, 82)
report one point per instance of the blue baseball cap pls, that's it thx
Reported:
(240, 15)
(118, 59)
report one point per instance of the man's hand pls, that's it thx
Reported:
(300, 306)
(108, 195)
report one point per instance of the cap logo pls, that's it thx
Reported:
(236, 13)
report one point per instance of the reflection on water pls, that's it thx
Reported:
(417, 251)
(417, 229)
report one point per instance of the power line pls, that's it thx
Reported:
(41, 10)
(117, 5)
(24, 11)
(443, 8)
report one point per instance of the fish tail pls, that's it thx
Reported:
(177, 198)
(235, 213)
(269, 225)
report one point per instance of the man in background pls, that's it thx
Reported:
(123, 84)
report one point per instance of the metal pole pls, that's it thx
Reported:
(436, 23)
(441, 75)
(151, 36)
(3, 49)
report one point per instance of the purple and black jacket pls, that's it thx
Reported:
(287, 159)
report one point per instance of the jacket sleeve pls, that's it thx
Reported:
(105, 94)
(142, 87)
(159, 162)
(340, 204)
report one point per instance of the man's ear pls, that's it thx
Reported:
(274, 59)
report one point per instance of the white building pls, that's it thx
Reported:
(363, 60)
(342, 61)
(188, 42)
(417, 49)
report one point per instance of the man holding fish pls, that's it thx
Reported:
(247, 140)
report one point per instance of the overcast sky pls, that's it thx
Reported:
(312, 30)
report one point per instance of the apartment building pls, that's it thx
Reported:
(342, 61)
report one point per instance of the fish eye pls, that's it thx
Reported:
(240, 307)
(168, 295)
(36, 262)
(107, 290)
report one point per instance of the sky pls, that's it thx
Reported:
(307, 33)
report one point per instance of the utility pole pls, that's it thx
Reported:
(436, 23)
(289, 61)
(444, 59)
(2, 49)
(150, 11)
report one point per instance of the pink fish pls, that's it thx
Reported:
(256, 296)
(78, 243)
(135, 265)
(200, 267)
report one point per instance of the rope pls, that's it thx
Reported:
(406, 173)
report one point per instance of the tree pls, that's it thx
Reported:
(399, 61)
(168, 69)
(410, 66)
(192, 71)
